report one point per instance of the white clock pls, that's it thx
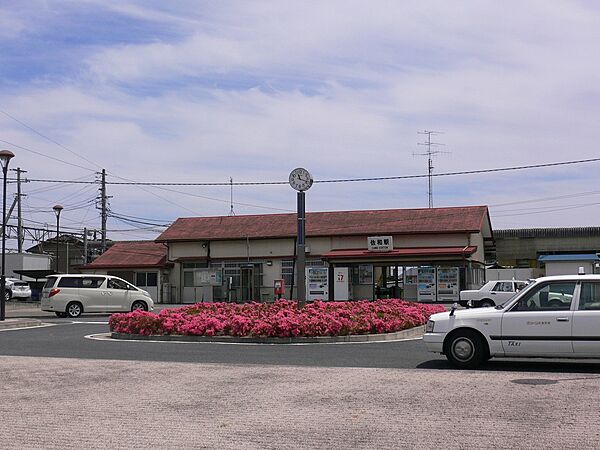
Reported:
(301, 179)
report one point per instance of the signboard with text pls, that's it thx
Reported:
(208, 277)
(380, 243)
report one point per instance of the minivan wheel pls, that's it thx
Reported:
(139, 306)
(74, 309)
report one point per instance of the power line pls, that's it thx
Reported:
(46, 156)
(48, 138)
(341, 180)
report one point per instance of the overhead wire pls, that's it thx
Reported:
(49, 138)
(339, 180)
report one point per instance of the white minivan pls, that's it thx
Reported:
(72, 294)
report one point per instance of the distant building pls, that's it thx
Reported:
(424, 254)
(71, 252)
(142, 263)
(523, 247)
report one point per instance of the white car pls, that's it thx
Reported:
(491, 293)
(71, 295)
(16, 288)
(528, 325)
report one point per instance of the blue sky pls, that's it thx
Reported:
(207, 90)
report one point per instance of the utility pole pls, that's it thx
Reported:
(103, 208)
(85, 246)
(430, 154)
(20, 236)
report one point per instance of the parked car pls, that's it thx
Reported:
(491, 293)
(15, 288)
(527, 325)
(71, 295)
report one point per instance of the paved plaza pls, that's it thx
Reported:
(79, 403)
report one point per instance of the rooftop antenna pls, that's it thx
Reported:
(231, 211)
(430, 153)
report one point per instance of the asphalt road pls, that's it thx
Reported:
(70, 338)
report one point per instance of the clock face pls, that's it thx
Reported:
(301, 179)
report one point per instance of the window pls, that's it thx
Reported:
(69, 282)
(92, 282)
(365, 274)
(113, 283)
(188, 278)
(589, 298)
(547, 297)
(287, 272)
(146, 279)
(520, 285)
(503, 286)
(50, 282)
(287, 269)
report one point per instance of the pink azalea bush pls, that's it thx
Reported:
(280, 319)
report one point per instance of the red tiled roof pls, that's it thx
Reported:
(337, 223)
(424, 251)
(131, 254)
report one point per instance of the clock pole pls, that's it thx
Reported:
(301, 250)
(301, 180)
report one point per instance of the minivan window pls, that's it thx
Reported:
(92, 282)
(117, 284)
(50, 282)
(69, 282)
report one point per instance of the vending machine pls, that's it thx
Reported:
(426, 284)
(317, 283)
(448, 285)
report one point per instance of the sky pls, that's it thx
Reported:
(208, 91)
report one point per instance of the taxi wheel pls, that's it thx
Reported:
(485, 303)
(139, 306)
(74, 309)
(466, 349)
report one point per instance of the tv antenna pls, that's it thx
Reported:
(231, 211)
(430, 153)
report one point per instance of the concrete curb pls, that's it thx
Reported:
(19, 323)
(404, 334)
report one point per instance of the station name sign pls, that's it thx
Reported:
(380, 244)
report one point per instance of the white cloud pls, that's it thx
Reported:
(253, 89)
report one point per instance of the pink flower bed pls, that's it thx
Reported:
(280, 319)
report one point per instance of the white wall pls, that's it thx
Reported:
(508, 274)
(26, 261)
(568, 267)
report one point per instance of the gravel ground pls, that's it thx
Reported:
(74, 403)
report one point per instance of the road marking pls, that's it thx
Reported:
(42, 325)
(106, 337)
(91, 323)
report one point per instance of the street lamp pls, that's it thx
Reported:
(57, 209)
(5, 156)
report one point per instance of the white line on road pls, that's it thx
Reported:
(93, 323)
(42, 325)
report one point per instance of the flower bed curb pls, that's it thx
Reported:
(403, 334)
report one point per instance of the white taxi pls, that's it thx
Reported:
(529, 324)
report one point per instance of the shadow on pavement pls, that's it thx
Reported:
(517, 365)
